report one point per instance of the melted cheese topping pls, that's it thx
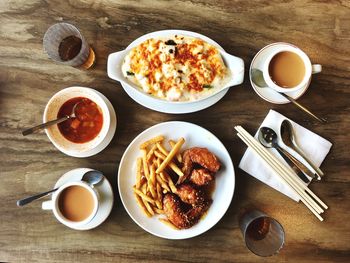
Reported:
(176, 68)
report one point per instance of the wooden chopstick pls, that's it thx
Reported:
(312, 207)
(291, 173)
(284, 173)
(281, 170)
(301, 196)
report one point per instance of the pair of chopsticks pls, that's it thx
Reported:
(312, 202)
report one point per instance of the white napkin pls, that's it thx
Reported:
(315, 148)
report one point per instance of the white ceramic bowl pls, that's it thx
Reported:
(115, 60)
(194, 136)
(55, 136)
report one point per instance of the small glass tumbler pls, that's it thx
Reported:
(263, 235)
(65, 44)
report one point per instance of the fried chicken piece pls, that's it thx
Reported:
(174, 206)
(174, 212)
(204, 158)
(199, 156)
(189, 194)
(201, 177)
(197, 211)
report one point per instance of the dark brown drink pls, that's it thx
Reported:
(259, 228)
(70, 47)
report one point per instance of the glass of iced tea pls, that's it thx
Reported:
(263, 235)
(65, 44)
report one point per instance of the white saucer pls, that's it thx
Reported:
(266, 93)
(164, 106)
(110, 132)
(104, 190)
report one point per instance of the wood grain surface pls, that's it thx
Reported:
(28, 79)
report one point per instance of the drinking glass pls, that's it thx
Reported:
(263, 235)
(65, 44)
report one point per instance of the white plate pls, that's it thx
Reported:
(104, 190)
(266, 93)
(194, 136)
(164, 106)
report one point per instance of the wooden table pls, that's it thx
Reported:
(32, 164)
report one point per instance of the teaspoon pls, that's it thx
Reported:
(49, 123)
(91, 177)
(268, 138)
(258, 79)
(288, 138)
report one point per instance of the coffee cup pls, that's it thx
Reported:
(288, 68)
(74, 204)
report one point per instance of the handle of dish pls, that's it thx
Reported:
(114, 65)
(236, 67)
(316, 68)
(47, 205)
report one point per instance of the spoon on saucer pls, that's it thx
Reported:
(268, 138)
(92, 177)
(288, 138)
(258, 79)
(49, 123)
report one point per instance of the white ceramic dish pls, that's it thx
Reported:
(195, 136)
(235, 65)
(105, 192)
(267, 94)
(84, 149)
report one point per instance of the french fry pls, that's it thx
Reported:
(152, 182)
(163, 183)
(170, 181)
(159, 193)
(159, 204)
(153, 175)
(138, 172)
(172, 165)
(158, 211)
(171, 155)
(178, 156)
(144, 188)
(142, 205)
(144, 196)
(150, 153)
(151, 141)
(148, 207)
(158, 162)
(144, 162)
(176, 169)
(162, 149)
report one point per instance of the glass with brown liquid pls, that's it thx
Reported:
(65, 44)
(263, 235)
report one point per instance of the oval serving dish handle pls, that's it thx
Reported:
(114, 65)
(236, 67)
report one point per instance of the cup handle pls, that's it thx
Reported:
(316, 68)
(47, 205)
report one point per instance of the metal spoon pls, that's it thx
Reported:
(91, 177)
(288, 138)
(258, 79)
(49, 123)
(269, 139)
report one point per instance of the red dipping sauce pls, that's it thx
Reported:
(88, 123)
